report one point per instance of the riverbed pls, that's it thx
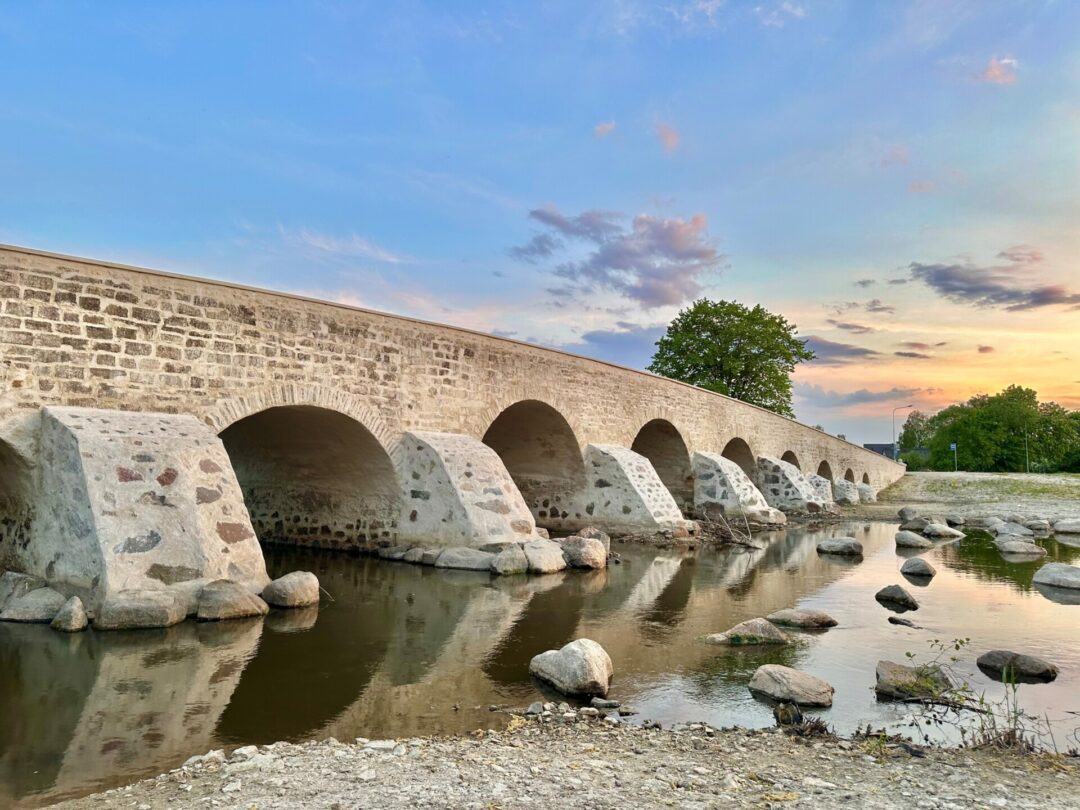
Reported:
(397, 650)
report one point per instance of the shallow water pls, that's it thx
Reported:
(404, 650)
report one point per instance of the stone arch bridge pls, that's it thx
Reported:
(155, 427)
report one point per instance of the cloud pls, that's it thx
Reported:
(823, 397)
(628, 344)
(669, 137)
(876, 305)
(831, 353)
(999, 71)
(696, 13)
(350, 246)
(865, 282)
(922, 186)
(857, 328)
(913, 355)
(779, 15)
(985, 349)
(895, 156)
(1000, 286)
(1022, 254)
(655, 261)
(918, 345)
(603, 129)
(540, 246)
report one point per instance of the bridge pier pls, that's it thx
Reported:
(722, 489)
(785, 487)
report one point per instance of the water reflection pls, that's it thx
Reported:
(400, 650)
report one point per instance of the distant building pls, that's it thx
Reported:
(881, 449)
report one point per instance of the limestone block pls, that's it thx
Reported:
(721, 486)
(466, 559)
(223, 599)
(845, 493)
(294, 590)
(544, 556)
(138, 501)
(582, 667)
(458, 494)
(785, 487)
(511, 560)
(624, 493)
(72, 617)
(128, 610)
(39, 605)
(584, 552)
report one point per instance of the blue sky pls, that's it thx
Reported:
(900, 179)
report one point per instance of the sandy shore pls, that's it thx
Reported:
(594, 764)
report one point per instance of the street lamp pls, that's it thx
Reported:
(895, 449)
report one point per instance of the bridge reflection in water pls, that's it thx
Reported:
(407, 650)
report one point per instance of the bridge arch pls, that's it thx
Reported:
(663, 445)
(849, 475)
(739, 451)
(541, 452)
(790, 457)
(825, 470)
(314, 476)
(866, 478)
(15, 503)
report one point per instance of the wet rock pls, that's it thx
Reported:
(596, 534)
(907, 513)
(582, 667)
(906, 539)
(1067, 526)
(940, 530)
(38, 606)
(917, 567)
(138, 609)
(1016, 517)
(604, 703)
(791, 686)
(465, 559)
(535, 708)
(296, 589)
(1014, 529)
(804, 619)
(1009, 667)
(584, 552)
(989, 522)
(1019, 548)
(895, 596)
(414, 555)
(787, 714)
(1058, 575)
(72, 617)
(752, 631)
(510, 561)
(902, 622)
(846, 546)
(13, 585)
(916, 524)
(955, 520)
(900, 682)
(430, 555)
(392, 552)
(544, 556)
(1038, 526)
(225, 599)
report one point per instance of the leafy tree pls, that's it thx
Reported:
(916, 431)
(726, 347)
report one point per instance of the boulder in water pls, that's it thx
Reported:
(582, 667)
(791, 686)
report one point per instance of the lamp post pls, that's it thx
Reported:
(895, 449)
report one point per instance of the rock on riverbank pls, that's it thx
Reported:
(600, 765)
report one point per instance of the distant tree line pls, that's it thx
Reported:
(1003, 432)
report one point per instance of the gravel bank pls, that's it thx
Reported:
(597, 765)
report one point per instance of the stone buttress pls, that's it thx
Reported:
(137, 501)
(785, 487)
(721, 488)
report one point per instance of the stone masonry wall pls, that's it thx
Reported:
(84, 333)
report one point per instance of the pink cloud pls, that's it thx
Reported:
(895, 156)
(603, 129)
(669, 137)
(922, 186)
(985, 349)
(999, 71)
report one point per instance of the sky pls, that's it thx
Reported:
(900, 180)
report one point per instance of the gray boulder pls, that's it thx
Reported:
(1058, 575)
(395, 553)
(788, 685)
(990, 523)
(752, 631)
(72, 617)
(895, 596)
(544, 556)
(414, 555)
(1009, 667)
(907, 513)
(138, 609)
(596, 534)
(917, 567)
(39, 606)
(1016, 517)
(900, 682)
(225, 599)
(1019, 548)
(955, 520)
(906, 539)
(584, 552)
(801, 618)
(430, 555)
(940, 530)
(844, 546)
(916, 524)
(297, 589)
(1067, 526)
(1014, 529)
(582, 667)
(14, 584)
(510, 561)
(465, 559)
